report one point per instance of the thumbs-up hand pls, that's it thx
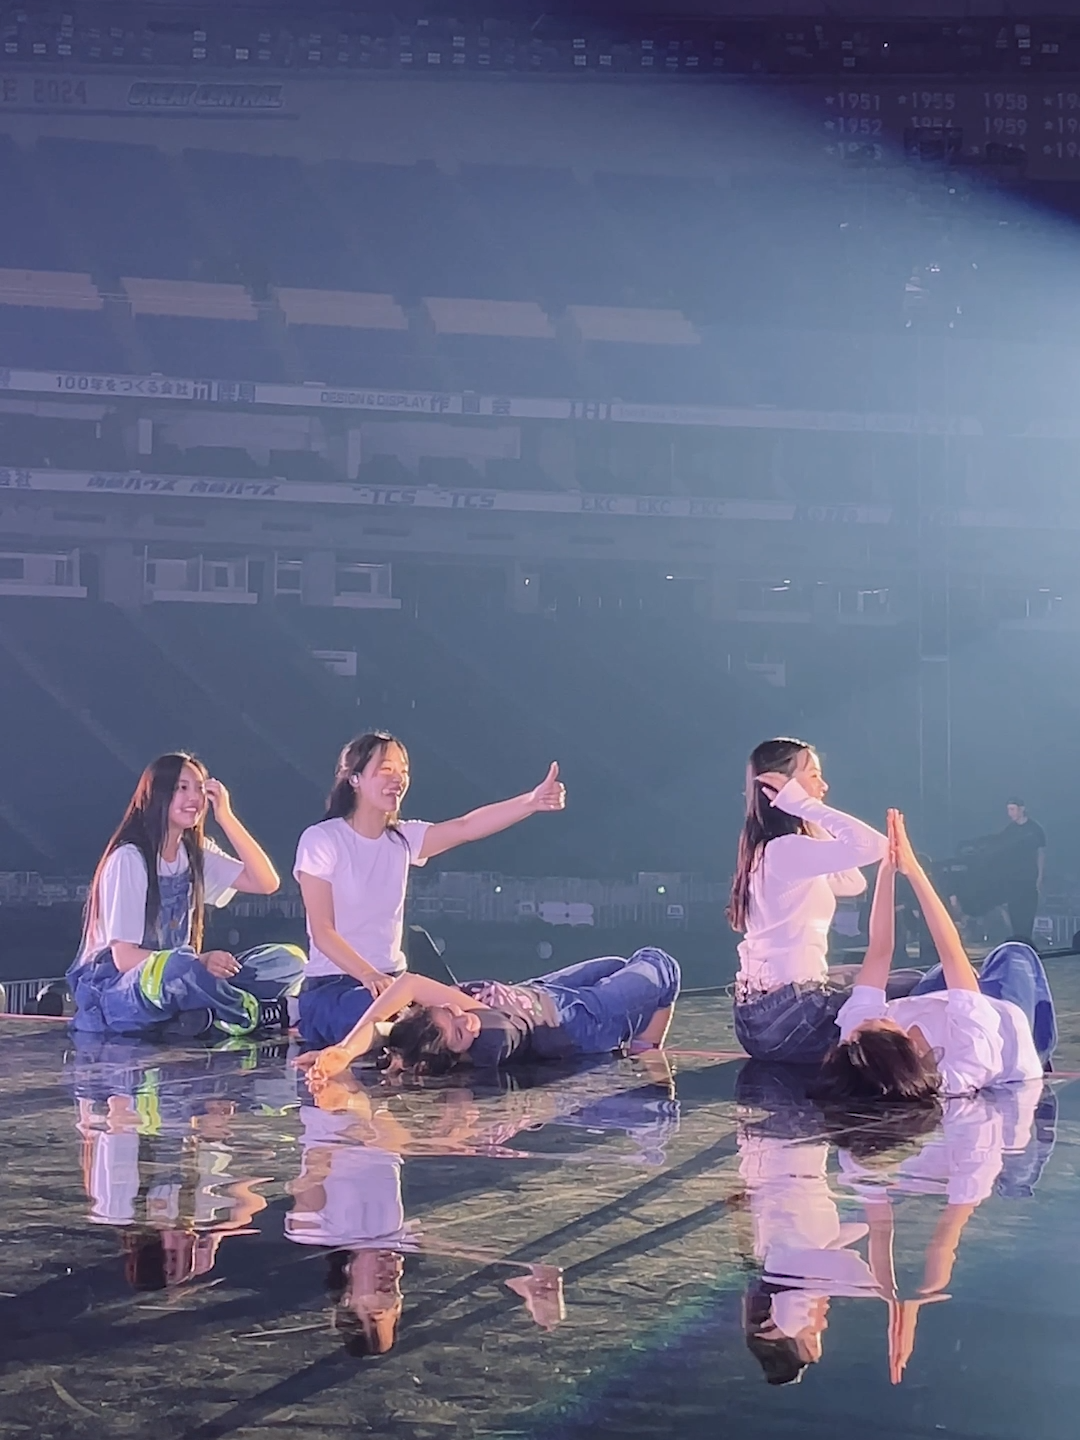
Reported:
(550, 794)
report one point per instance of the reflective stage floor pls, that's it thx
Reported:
(190, 1248)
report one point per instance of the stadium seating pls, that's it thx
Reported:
(30, 238)
(73, 444)
(125, 206)
(514, 279)
(349, 357)
(55, 319)
(217, 349)
(273, 223)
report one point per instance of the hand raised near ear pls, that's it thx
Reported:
(772, 782)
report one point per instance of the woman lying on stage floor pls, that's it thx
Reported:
(959, 1031)
(796, 855)
(594, 1008)
(141, 969)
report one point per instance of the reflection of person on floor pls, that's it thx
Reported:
(141, 968)
(980, 1135)
(594, 1008)
(804, 1245)
(348, 1198)
(485, 1116)
(957, 1032)
(804, 1249)
(163, 1174)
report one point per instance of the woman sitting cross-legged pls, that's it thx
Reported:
(958, 1032)
(141, 969)
(593, 1008)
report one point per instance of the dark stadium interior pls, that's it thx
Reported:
(612, 384)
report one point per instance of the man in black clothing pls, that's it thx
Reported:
(1020, 865)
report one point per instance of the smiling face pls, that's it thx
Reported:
(188, 804)
(384, 780)
(459, 1028)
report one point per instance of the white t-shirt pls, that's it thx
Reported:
(360, 1189)
(964, 1161)
(793, 890)
(121, 907)
(367, 879)
(979, 1041)
(115, 1181)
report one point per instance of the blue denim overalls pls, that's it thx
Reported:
(173, 980)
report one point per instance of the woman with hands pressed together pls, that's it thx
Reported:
(353, 870)
(141, 969)
(796, 856)
(958, 1031)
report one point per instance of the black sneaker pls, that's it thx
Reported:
(189, 1025)
(273, 1015)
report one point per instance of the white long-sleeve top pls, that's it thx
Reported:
(793, 891)
(799, 1237)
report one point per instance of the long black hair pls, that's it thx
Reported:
(418, 1043)
(878, 1066)
(779, 1356)
(866, 1129)
(764, 822)
(353, 760)
(146, 826)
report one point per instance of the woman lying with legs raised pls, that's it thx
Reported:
(593, 1008)
(978, 1031)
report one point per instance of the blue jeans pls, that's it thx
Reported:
(648, 1116)
(330, 1005)
(1021, 1171)
(796, 1024)
(603, 1004)
(169, 982)
(1013, 972)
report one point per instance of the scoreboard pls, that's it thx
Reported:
(1035, 125)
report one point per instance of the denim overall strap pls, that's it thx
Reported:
(173, 928)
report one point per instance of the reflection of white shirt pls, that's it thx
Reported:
(115, 1184)
(793, 890)
(114, 1178)
(979, 1041)
(362, 1206)
(798, 1234)
(367, 880)
(121, 896)
(964, 1161)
